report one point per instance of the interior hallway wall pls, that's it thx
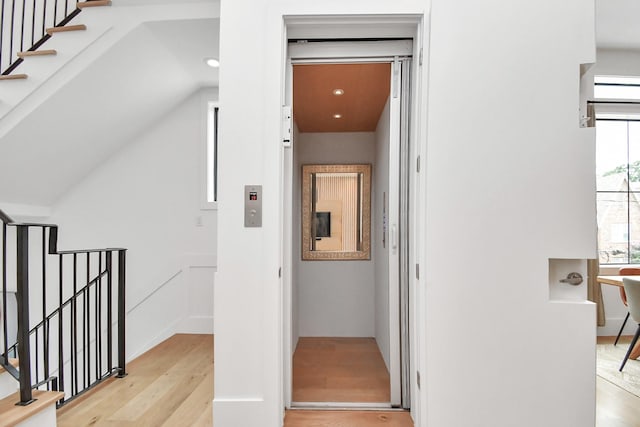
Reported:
(505, 168)
(147, 198)
(335, 298)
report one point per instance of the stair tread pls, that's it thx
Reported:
(13, 362)
(13, 77)
(79, 27)
(37, 53)
(12, 414)
(95, 3)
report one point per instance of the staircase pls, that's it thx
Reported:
(33, 24)
(70, 320)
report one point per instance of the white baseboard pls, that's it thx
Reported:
(196, 325)
(166, 333)
(246, 412)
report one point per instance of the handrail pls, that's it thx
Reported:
(85, 310)
(53, 245)
(4, 217)
(69, 300)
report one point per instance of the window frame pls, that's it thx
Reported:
(209, 152)
(619, 107)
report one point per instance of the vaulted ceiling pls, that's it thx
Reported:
(129, 87)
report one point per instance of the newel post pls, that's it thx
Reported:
(122, 270)
(24, 353)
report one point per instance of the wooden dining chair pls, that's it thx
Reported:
(632, 291)
(625, 271)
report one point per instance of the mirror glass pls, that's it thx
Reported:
(336, 212)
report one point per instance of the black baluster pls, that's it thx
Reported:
(99, 319)
(1, 44)
(87, 329)
(4, 291)
(74, 327)
(45, 335)
(37, 354)
(13, 22)
(33, 23)
(109, 261)
(60, 332)
(24, 4)
(44, 28)
(121, 311)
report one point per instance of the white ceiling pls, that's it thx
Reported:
(132, 85)
(189, 41)
(618, 24)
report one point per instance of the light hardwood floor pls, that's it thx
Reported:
(300, 418)
(339, 370)
(170, 385)
(615, 407)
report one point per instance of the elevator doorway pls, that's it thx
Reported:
(349, 317)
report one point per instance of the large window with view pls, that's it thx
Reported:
(618, 170)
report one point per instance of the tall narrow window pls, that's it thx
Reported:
(618, 169)
(212, 152)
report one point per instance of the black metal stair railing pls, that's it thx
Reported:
(79, 337)
(23, 25)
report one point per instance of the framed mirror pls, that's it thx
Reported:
(336, 212)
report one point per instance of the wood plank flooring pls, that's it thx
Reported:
(301, 418)
(339, 370)
(615, 407)
(170, 385)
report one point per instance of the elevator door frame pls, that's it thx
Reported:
(398, 53)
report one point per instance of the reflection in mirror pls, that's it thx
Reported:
(336, 212)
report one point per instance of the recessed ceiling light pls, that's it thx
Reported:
(212, 62)
(337, 116)
(338, 92)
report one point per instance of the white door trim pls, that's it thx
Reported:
(374, 26)
(330, 52)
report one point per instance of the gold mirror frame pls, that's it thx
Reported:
(307, 211)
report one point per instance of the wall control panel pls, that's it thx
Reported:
(253, 205)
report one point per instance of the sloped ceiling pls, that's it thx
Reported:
(123, 92)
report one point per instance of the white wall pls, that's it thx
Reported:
(505, 169)
(509, 184)
(146, 198)
(379, 228)
(335, 298)
(616, 62)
